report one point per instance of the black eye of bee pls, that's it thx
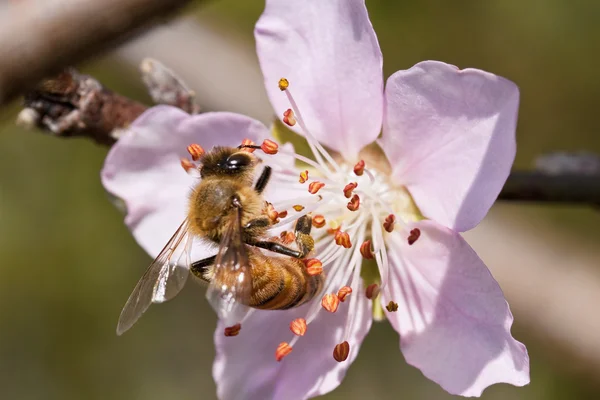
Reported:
(237, 161)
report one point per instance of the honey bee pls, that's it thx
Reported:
(226, 208)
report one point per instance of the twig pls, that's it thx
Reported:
(40, 38)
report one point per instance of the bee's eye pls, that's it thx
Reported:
(237, 161)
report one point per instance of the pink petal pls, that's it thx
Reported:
(450, 135)
(329, 52)
(143, 168)
(453, 320)
(245, 366)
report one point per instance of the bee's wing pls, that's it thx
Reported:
(163, 279)
(231, 284)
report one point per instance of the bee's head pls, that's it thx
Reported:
(227, 162)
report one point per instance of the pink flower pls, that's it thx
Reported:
(446, 148)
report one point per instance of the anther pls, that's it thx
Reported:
(314, 266)
(195, 151)
(366, 251)
(414, 235)
(283, 84)
(343, 292)
(287, 237)
(298, 326)
(392, 307)
(389, 222)
(349, 188)
(334, 227)
(315, 186)
(269, 146)
(372, 291)
(354, 203)
(232, 330)
(282, 350)
(288, 117)
(330, 302)
(247, 142)
(298, 207)
(342, 239)
(282, 214)
(341, 351)
(303, 176)
(187, 165)
(272, 213)
(318, 221)
(359, 168)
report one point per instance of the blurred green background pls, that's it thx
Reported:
(68, 263)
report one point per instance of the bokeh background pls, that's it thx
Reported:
(67, 262)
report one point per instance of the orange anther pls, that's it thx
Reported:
(303, 176)
(282, 214)
(298, 207)
(354, 203)
(343, 292)
(282, 350)
(392, 307)
(330, 302)
(372, 291)
(414, 235)
(314, 266)
(233, 330)
(283, 84)
(315, 186)
(298, 326)
(318, 221)
(359, 168)
(341, 351)
(389, 222)
(272, 213)
(269, 146)
(248, 142)
(342, 239)
(349, 188)
(288, 117)
(195, 151)
(187, 165)
(366, 251)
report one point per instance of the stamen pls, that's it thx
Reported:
(303, 176)
(342, 239)
(341, 351)
(282, 350)
(269, 146)
(392, 307)
(187, 165)
(349, 188)
(314, 266)
(343, 293)
(372, 291)
(366, 251)
(233, 330)
(282, 214)
(389, 222)
(359, 168)
(283, 84)
(318, 221)
(298, 207)
(330, 302)
(288, 117)
(414, 235)
(315, 186)
(354, 203)
(272, 213)
(334, 227)
(287, 237)
(248, 142)
(298, 326)
(196, 151)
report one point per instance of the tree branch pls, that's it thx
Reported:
(38, 39)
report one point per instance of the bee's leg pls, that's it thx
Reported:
(304, 241)
(263, 179)
(276, 248)
(262, 222)
(199, 268)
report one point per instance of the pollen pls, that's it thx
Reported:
(248, 142)
(187, 165)
(366, 251)
(196, 151)
(354, 203)
(283, 84)
(288, 117)
(330, 302)
(319, 221)
(298, 208)
(389, 222)
(349, 188)
(282, 350)
(334, 227)
(342, 239)
(372, 291)
(391, 306)
(232, 330)
(414, 235)
(303, 176)
(298, 326)
(359, 168)
(341, 351)
(269, 146)
(343, 293)
(314, 266)
(315, 186)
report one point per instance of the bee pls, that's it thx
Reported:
(227, 208)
